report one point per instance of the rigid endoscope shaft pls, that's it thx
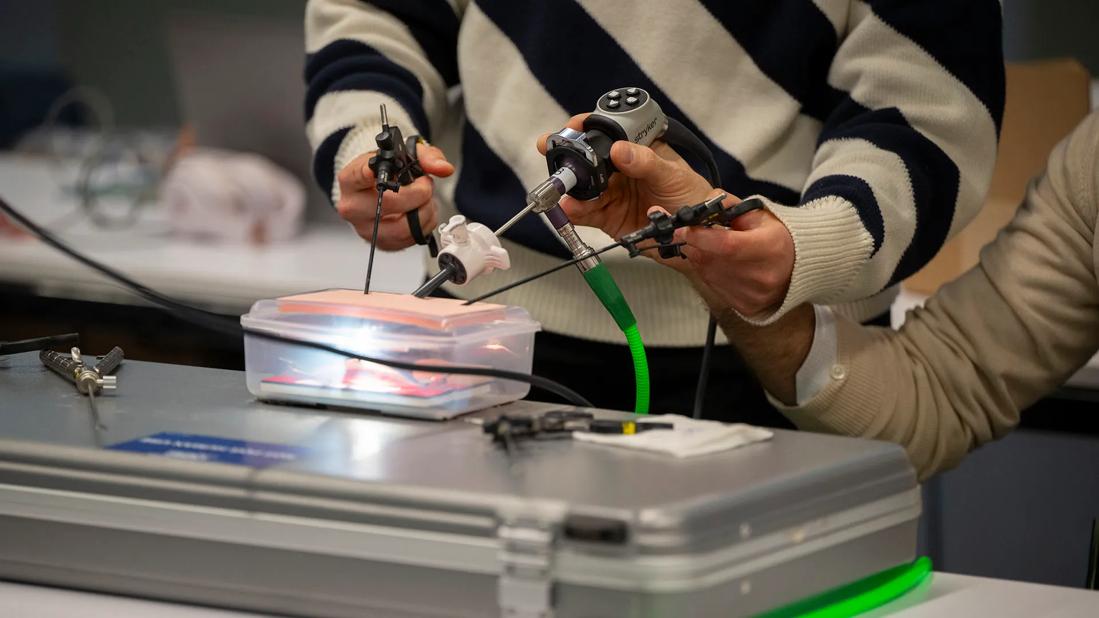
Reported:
(518, 217)
(544, 196)
(544, 199)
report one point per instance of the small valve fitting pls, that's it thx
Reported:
(470, 250)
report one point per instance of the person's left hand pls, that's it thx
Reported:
(746, 267)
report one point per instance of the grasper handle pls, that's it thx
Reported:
(110, 362)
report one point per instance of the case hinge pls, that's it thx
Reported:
(526, 573)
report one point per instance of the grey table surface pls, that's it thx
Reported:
(38, 405)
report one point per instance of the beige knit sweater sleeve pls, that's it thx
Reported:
(989, 344)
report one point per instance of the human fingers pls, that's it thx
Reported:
(576, 123)
(433, 160)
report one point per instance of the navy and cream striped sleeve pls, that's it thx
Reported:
(906, 150)
(360, 54)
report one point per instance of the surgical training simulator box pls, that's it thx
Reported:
(421, 331)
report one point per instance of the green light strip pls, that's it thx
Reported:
(861, 596)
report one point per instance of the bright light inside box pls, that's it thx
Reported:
(332, 371)
(396, 327)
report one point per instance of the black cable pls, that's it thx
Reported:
(550, 271)
(535, 276)
(1092, 580)
(679, 135)
(374, 239)
(148, 293)
(216, 323)
(38, 343)
(704, 369)
(654, 248)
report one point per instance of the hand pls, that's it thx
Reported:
(359, 200)
(746, 267)
(646, 176)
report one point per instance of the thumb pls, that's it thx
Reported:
(434, 161)
(659, 209)
(640, 162)
(576, 123)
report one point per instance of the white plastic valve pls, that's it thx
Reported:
(473, 247)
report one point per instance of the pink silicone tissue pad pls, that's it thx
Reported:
(430, 312)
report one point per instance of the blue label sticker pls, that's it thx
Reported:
(208, 448)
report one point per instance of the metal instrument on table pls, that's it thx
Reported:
(506, 429)
(90, 380)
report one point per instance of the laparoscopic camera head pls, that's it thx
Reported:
(580, 164)
(627, 114)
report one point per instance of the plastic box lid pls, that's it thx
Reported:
(387, 316)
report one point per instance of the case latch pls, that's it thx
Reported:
(526, 574)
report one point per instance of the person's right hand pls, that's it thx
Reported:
(359, 199)
(646, 176)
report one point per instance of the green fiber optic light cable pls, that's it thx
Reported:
(640, 368)
(606, 290)
(601, 282)
(860, 597)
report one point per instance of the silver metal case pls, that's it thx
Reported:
(388, 517)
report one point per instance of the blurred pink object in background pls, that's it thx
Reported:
(232, 196)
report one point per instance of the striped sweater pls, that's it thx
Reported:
(869, 128)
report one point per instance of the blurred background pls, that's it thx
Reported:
(123, 46)
(166, 138)
(99, 97)
(216, 65)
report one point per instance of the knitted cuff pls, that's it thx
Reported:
(830, 247)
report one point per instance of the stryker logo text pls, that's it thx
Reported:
(643, 132)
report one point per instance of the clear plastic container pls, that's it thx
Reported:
(429, 331)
